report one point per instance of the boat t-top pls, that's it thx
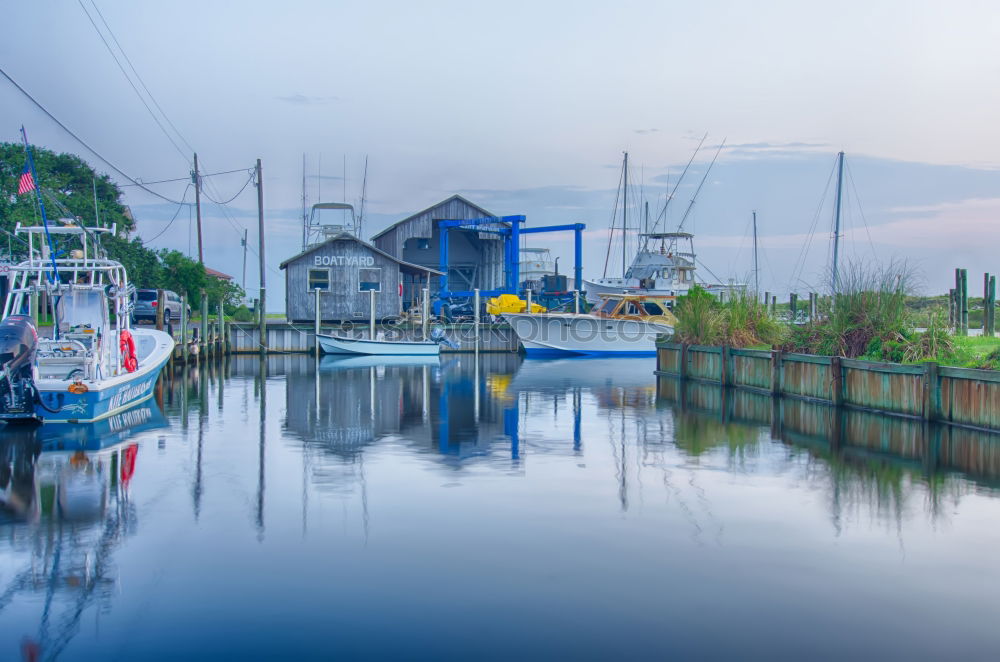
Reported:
(94, 365)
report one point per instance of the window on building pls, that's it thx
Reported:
(369, 279)
(319, 279)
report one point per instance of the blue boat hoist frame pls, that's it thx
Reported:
(511, 250)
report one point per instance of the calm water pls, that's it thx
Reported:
(499, 510)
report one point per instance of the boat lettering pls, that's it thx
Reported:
(128, 394)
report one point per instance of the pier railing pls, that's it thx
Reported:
(962, 396)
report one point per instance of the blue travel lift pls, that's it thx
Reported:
(511, 252)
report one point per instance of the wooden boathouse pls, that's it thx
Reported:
(475, 260)
(345, 270)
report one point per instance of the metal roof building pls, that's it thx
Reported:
(475, 257)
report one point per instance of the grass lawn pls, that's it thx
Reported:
(974, 352)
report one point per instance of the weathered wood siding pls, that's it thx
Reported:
(884, 386)
(704, 362)
(806, 376)
(751, 368)
(970, 397)
(343, 301)
(484, 251)
(668, 359)
(956, 395)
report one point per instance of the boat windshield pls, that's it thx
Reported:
(652, 308)
(608, 306)
(82, 308)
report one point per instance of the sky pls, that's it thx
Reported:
(527, 108)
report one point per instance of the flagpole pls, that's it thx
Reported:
(41, 205)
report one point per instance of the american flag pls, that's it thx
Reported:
(26, 183)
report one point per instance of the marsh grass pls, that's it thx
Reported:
(740, 321)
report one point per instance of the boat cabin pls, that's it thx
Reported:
(639, 307)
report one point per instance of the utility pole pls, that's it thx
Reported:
(245, 232)
(260, 246)
(197, 205)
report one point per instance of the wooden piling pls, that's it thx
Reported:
(475, 319)
(184, 330)
(836, 381)
(425, 312)
(203, 342)
(793, 305)
(951, 308)
(160, 303)
(992, 307)
(316, 321)
(965, 302)
(220, 337)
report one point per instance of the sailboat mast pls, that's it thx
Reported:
(624, 214)
(836, 219)
(756, 272)
(305, 218)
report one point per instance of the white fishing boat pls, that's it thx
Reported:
(94, 366)
(618, 326)
(330, 344)
(664, 263)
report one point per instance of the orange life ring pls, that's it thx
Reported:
(127, 346)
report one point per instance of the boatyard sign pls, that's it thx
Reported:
(344, 261)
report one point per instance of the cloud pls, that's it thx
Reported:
(304, 100)
(643, 132)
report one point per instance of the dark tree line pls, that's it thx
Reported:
(68, 179)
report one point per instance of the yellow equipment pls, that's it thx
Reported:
(511, 303)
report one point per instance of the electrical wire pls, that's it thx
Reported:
(141, 81)
(146, 242)
(84, 143)
(132, 84)
(238, 193)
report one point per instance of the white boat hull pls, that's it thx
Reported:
(587, 335)
(338, 345)
(107, 396)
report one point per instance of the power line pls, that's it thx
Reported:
(243, 188)
(129, 79)
(146, 242)
(188, 178)
(141, 81)
(84, 143)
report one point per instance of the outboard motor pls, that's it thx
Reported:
(18, 342)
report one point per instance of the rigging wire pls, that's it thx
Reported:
(800, 262)
(84, 143)
(132, 84)
(614, 214)
(857, 198)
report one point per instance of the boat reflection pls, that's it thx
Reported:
(65, 510)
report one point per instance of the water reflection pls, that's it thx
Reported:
(261, 473)
(865, 461)
(66, 509)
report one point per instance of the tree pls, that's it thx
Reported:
(67, 183)
(227, 291)
(183, 275)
